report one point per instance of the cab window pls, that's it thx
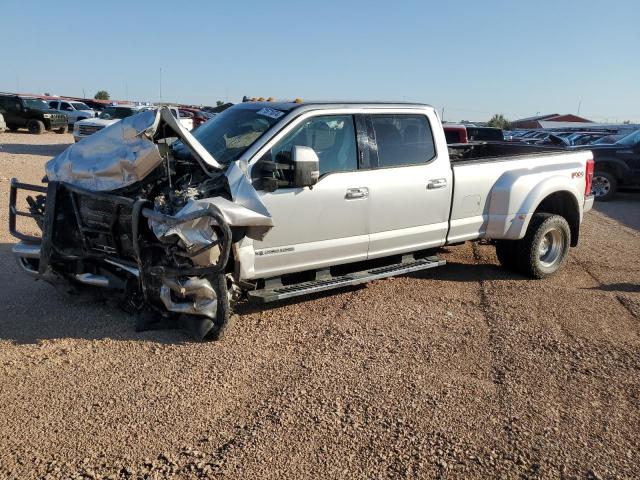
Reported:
(403, 140)
(332, 137)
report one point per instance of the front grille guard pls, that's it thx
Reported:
(14, 212)
(138, 211)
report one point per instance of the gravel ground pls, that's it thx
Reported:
(460, 372)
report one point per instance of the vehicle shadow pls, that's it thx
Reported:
(619, 287)
(624, 208)
(34, 310)
(45, 150)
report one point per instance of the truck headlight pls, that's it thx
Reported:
(47, 115)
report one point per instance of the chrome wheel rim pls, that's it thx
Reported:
(600, 186)
(551, 246)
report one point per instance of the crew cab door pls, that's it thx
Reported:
(409, 184)
(319, 226)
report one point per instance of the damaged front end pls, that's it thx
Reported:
(120, 210)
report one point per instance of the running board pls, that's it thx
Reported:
(276, 291)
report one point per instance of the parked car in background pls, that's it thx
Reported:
(34, 114)
(585, 138)
(3, 126)
(109, 116)
(199, 116)
(609, 139)
(74, 110)
(483, 134)
(616, 165)
(455, 133)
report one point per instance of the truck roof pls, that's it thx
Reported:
(292, 105)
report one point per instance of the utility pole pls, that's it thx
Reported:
(579, 105)
(160, 84)
(442, 114)
(84, 95)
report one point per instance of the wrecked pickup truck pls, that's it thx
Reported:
(275, 200)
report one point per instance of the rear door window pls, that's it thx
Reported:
(403, 139)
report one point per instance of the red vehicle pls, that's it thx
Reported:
(199, 117)
(455, 133)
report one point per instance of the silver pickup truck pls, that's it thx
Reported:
(274, 200)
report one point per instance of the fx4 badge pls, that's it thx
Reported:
(577, 174)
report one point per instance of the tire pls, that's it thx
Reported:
(221, 322)
(506, 251)
(544, 248)
(604, 186)
(36, 127)
(12, 127)
(62, 130)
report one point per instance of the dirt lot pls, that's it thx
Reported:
(460, 372)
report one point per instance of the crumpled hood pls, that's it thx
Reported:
(124, 153)
(112, 158)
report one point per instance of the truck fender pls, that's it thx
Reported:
(614, 165)
(510, 214)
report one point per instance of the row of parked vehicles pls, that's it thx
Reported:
(39, 115)
(616, 154)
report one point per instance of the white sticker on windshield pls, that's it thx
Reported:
(270, 112)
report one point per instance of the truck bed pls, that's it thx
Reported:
(493, 151)
(497, 186)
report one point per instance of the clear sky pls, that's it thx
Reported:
(472, 57)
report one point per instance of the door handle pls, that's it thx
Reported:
(354, 193)
(436, 183)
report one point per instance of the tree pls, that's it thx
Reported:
(627, 122)
(219, 102)
(101, 95)
(499, 121)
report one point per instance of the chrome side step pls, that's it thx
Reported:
(276, 291)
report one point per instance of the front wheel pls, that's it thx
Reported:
(604, 186)
(545, 247)
(36, 127)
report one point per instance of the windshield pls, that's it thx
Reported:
(36, 103)
(116, 112)
(630, 139)
(227, 136)
(80, 106)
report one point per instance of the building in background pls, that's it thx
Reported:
(536, 122)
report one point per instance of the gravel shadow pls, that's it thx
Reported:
(45, 150)
(34, 310)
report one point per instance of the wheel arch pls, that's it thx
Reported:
(612, 165)
(565, 204)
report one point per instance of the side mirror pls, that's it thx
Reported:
(306, 166)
